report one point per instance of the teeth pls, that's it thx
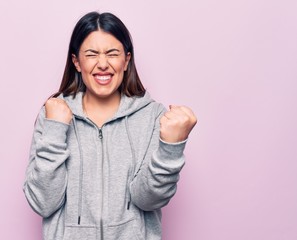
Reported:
(103, 78)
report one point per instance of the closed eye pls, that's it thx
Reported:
(91, 55)
(112, 52)
(113, 55)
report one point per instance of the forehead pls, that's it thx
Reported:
(100, 41)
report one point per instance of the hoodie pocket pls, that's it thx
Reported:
(125, 230)
(79, 233)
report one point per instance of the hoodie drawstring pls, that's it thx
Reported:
(133, 161)
(80, 171)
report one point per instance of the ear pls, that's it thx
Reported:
(76, 62)
(127, 60)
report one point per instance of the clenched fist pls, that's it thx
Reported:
(176, 124)
(57, 109)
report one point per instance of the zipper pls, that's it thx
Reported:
(79, 211)
(102, 187)
(100, 133)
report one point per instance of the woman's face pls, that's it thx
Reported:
(102, 62)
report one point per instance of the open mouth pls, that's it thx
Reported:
(103, 79)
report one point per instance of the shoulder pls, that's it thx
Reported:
(153, 106)
(157, 108)
(148, 114)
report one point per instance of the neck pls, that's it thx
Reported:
(91, 101)
(100, 109)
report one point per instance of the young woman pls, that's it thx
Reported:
(105, 157)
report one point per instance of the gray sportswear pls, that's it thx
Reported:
(108, 183)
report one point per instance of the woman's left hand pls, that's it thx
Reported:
(177, 123)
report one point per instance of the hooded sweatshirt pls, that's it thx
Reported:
(107, 183)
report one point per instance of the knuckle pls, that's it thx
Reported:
(175, 122)
(185, 119)
(195, 120)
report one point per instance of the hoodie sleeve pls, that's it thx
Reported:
(46, 175)
(156, 181)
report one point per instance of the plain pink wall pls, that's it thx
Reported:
(234, 62)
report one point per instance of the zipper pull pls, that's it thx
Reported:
(100, 133)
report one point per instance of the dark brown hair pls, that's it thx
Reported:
(72, 82)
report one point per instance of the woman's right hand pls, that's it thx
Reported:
(58, 110)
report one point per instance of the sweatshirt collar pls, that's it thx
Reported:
(128, 105)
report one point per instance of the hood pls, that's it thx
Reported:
(128, 105)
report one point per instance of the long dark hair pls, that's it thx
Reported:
(72, 82)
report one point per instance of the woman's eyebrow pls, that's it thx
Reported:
(97, 52)
(91, 50)
(112, 50)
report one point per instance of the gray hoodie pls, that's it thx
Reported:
(107, 183)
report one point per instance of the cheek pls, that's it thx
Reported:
(88, 66)
(119, 66)
(123, 69)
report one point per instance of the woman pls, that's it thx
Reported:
(105, 158)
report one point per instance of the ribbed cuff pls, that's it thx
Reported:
(171, 150)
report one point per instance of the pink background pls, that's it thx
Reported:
(234, 62)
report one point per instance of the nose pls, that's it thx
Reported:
(102, 62)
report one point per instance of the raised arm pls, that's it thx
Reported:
(46, 175)
(156, 182)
